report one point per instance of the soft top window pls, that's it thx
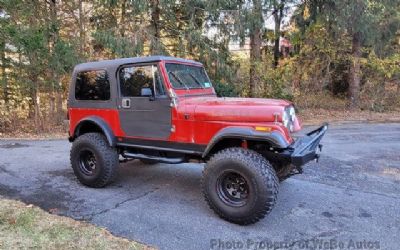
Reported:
(134, 78)
(92, 85)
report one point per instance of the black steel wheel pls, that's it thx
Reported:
(87, 162)
(93, 160)
(240, 185)
(232, 188)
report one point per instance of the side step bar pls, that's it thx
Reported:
(154, 158)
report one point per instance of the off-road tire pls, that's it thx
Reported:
(261, 180)
(106, 158)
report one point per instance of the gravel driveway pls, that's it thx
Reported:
(352, 196)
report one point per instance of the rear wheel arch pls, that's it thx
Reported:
(95, 125)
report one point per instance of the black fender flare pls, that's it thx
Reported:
(99, 122)
(274, 138)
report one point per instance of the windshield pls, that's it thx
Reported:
(187, 77)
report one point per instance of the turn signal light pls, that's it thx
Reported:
(263, 129)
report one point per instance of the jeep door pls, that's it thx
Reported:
(143, 103)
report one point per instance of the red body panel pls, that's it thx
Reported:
(198, 119)
(110, 116)
(200, 115)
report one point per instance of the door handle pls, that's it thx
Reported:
(126, 103)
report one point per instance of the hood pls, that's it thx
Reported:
(235, 109)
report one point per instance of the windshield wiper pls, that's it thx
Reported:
(178, 79)
(197, 81)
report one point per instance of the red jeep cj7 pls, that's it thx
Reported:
(164, 109)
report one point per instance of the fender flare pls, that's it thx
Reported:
(99, 122)
(275, 138)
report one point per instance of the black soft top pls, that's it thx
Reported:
(122, 61)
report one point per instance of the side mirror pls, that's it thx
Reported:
(146, 92)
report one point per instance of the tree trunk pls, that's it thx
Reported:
(255, 58)
(82, 33)
(278, 14)
(59, 106)
(255, 46)
(56, 106)
(155, 23)
(122, 20)
(4, 71)
(355, 71)
(35, 103)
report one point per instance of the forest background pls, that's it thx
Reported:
(343, 59)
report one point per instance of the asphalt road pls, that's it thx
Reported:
(352, 196)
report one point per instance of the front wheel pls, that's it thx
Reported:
(94, 162)
(240, 185)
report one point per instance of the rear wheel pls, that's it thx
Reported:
(94, 162)
(240, 185)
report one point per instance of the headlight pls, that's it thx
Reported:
(292, 113)
(288, 118)
(285, 118)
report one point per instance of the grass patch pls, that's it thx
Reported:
(28, 227)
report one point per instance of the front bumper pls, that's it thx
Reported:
(307, 148)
